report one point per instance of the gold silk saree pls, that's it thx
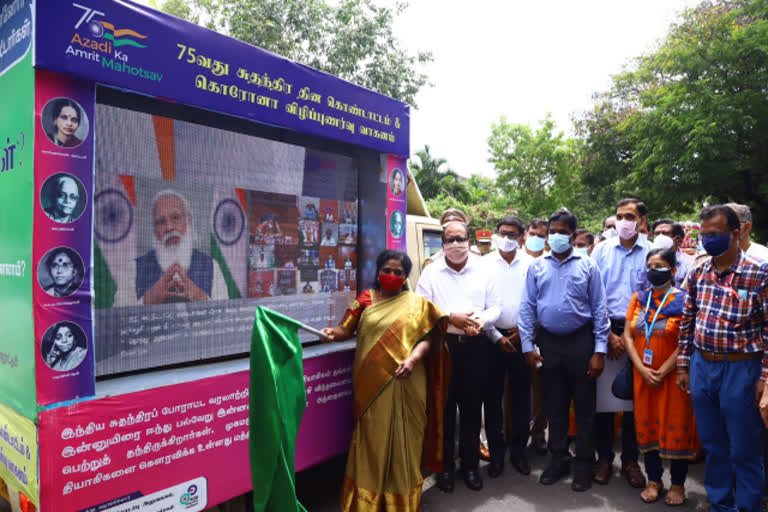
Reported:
(398, 422)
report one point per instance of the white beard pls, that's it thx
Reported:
(181, 253)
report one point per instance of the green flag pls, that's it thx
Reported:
(277, 402)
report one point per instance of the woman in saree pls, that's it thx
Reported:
(400, 379)
(663, 413)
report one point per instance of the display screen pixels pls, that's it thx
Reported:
(196, 225)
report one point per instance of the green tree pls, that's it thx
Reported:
(537, 170)
(688, 123)
(434, 177)
(351, 39)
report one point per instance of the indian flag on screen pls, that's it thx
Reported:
(229, 238)
(114, 240)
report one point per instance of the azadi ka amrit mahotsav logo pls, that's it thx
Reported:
(98, 39)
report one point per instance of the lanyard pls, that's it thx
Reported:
(649, 328)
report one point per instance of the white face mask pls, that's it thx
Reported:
(662, 242)
(505, 244)
(610, 233)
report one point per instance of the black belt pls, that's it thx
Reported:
(461, 338)
(588, 327)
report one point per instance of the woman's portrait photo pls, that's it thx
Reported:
(64, 122)
(396, 182)
(64, 346)
(60, 272)
(63, 198)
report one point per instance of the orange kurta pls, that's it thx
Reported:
(664, 415)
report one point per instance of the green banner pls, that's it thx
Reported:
(17, 344)
(277, 402)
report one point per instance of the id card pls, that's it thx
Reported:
(648, 357)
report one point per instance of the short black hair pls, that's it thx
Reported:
(391, 254)
(537, 223)
(584, 232)
(71, 254)
(720, 209)
(511, 220)
(667, 254)
(564, 215)
(641, 208)
(677, 228)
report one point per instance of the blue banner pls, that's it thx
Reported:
(15, 32)
(119, 43)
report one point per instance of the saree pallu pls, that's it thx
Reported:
(398, 422)
(663, 416)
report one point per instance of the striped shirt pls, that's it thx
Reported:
(726, 311)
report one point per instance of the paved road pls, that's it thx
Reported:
(318, 490)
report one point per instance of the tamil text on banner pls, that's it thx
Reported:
(131, 46)
(277, 402)
(118, 449)
(102, 453)
(18, 453)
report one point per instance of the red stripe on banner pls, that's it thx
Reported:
(165, 146)
(130, 188)
(241, 196)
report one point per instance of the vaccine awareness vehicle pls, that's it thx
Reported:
(158, 182)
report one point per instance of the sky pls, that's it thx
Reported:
(518, 58)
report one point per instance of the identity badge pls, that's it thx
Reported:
(648, 357)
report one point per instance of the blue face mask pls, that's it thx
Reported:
(534, 243)
(559, 243)
(584, 251)
(716, 245)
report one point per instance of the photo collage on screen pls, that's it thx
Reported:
(300, 245)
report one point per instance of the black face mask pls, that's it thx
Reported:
(659, 277)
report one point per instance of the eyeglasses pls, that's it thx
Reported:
(395, 271)
(457, 240)
(512, 235)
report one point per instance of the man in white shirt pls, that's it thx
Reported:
(751, 248)
(461, 287)
(508, 266)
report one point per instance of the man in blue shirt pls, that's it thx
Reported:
(564, 306)
(622, 267)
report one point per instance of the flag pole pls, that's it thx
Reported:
(313, 330)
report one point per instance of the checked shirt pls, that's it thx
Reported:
(726, 312)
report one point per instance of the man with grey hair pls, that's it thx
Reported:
(174, 270)
(745, 219)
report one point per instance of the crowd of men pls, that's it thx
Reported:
(533, 324)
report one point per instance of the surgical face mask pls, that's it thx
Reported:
(534, 243)
(584, 251)
(716, 245)
(610, 233)
(662, 242)
(505, 244)
(559, 242)
(626, 228)
(456, 252)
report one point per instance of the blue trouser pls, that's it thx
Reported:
(723, 395)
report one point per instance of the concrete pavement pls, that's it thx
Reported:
(319, 490)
